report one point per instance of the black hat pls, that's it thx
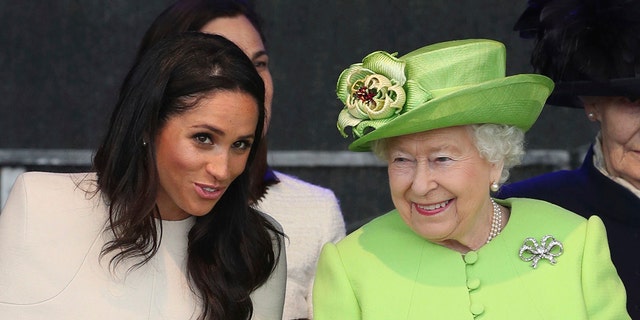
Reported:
(588, 47)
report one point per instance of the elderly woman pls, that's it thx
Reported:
(450, 124)
(592, 50)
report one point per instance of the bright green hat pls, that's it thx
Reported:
(441, 85)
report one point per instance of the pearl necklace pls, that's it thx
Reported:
(496, 221)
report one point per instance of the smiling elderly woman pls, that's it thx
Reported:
(453, 158)
(450, 125)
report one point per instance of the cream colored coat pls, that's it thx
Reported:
(51, 235)
(310, 216)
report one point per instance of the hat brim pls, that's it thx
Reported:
(516, 100)
(566, 94)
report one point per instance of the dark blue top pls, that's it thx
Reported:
(586, 191)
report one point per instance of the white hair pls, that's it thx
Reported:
(500, 143)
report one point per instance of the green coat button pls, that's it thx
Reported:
(473, 284)
(477, 309)
(471, 257)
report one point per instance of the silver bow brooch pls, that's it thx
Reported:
(549, 248)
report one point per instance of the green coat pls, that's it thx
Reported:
(386, 271)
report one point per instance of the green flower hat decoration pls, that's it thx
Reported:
(375, 92)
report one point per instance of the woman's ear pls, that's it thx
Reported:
(145, 139)
(590, 108)
(496, 172)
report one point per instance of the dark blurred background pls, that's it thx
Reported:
(61, 63)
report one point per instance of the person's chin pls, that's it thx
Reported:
(202, 208)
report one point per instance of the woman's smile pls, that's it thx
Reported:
(432, 209)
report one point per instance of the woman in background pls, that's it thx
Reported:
(591, 49)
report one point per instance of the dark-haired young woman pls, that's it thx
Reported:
(162, 229)
(310, 215)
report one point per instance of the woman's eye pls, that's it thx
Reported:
(261, 64)
(242, 145)
(442, 159)
(203, 138)
(400, 160)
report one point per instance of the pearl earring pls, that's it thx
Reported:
(494, 186)
(591, 116)
(144, 143)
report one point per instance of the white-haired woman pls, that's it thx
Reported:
(449, 124)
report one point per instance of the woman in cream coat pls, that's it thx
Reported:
(309, 214)
(162, 229)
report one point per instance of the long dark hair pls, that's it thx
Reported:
(231, 250)
(193, 15)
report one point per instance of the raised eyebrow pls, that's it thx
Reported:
(259, 54)
(210, 128)
(247, 137)
(222, 133)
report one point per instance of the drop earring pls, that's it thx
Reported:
(494, 186)
(591, 116)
